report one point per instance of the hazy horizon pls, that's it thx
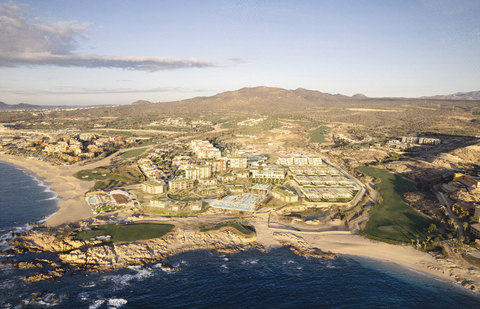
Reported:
(118, 52)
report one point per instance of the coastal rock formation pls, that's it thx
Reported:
(49, 275)
(37, 241)
(107, 257)
(300, 247)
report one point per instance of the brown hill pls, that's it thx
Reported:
(253, 99)
(472, 95)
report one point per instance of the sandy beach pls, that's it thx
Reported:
(449, 269)
(72, 205)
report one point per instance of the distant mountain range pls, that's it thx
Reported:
(24, 106)
(257, 98)
(473, 95)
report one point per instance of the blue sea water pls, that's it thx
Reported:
(208, 279)
(23, 198)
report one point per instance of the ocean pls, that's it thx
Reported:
(206, 279)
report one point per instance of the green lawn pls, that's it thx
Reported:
(113, 176)
(129, 232)
(317, 135)
(143, 144)
(393, 220)
(133, 153)
(236, 226)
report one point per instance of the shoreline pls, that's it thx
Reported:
(70, 191)
(72, 207)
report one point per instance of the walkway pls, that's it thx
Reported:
(443, 200)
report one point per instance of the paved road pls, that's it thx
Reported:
(443, 200)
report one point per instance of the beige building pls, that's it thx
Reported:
(475, 230)
(284, 195)
(299, 161)
(207, 182)
(205, 150)
(268, 172)
(218, 166)
(237, 162)
(226, 177)
(153, 187)
(199, 172)
(180, 184)
(242, 174)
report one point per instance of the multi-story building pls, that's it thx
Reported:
(475, 230)
(180, 184)
(205, 150)
(226, 177)
(198, 172)
(153, 187)
(218, 166)
(207, 181)
(287, 161)
(291, 161)
(268, 172)
(284, 195)
(237, 162)
(421, 140)
(242, 174)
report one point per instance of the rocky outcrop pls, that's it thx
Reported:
(21, 264)
(300, 247)
(36, 241)
(108, 257)
(49, 275)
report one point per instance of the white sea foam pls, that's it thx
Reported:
(96, 304)
(117, 302)
(121, 281)
(84, 296)
(27, 226)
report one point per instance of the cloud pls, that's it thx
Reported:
(150, 64)
(236, 59)
(75, 91)
(26, 41)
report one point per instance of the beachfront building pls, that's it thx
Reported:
(158, 202)
(180, 184)
(284, 195)
(198, 172)
(237, 162)
(153, 187)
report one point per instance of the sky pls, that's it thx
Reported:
(93, 52)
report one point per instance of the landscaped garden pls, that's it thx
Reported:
(236, 226)
(133, 153)
(317, 135)
(127, 232)
(393, 220)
